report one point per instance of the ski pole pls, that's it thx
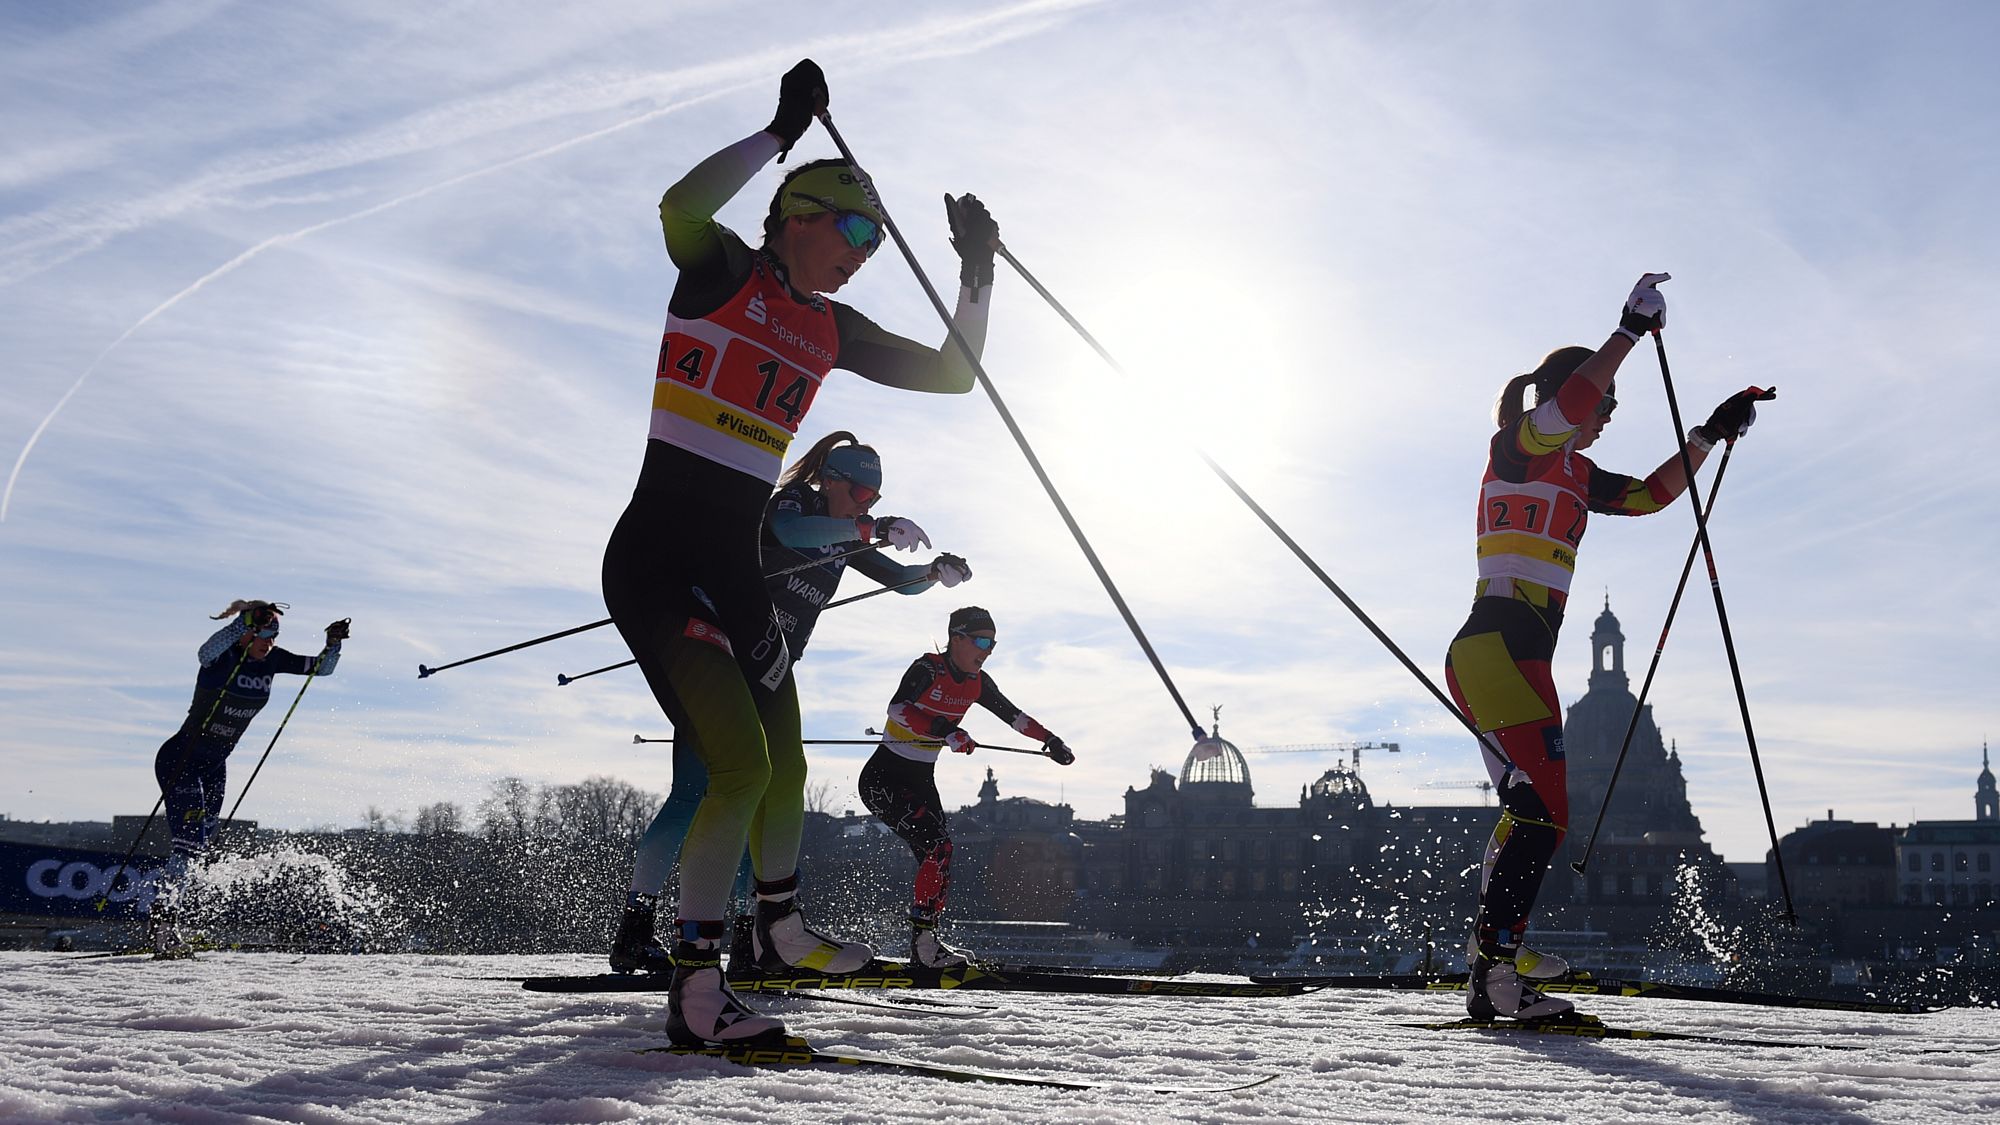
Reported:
(637, 739)
(425, 672)
(1722, 616)
(824, 559)
(1013, 428)
(187, 758)
(1258, 509)
(882, 590)
(981, 746)
(1645, 688)
(259, 768)
(565, 681)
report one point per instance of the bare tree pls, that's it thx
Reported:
(603, 808)
(440, 819)
(375, 820)
(508, 812)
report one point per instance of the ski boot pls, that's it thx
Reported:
(930, 951)
(166, 938)
(780, 939)
(702, 1011)
(636, 949)
(1528, 964)
(1497, 991)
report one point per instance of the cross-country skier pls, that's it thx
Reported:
(899, 783)
(1536, 496)
(819, 515)
(749, 338)
(234, 683)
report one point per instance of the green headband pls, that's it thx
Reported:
(835, 183)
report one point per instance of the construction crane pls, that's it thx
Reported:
(1354, 748)
(1485, 787)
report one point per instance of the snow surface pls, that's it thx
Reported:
(323, 1039)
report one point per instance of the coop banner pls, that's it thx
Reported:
(65, 882)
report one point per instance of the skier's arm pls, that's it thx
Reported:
(891, 573)
(1619, 495)
(880, 356)
(791, 525)
(916, 681)
(224, 639)
(1003, 709)
(712, 260)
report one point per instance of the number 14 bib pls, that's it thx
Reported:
(734, 385)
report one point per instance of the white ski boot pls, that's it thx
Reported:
(1497, 991)
(780, 939)
(702, 1011)
(930, 951)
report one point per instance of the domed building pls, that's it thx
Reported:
(1215, 772)
(1649, 829)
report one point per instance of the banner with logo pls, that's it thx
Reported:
(65, 882)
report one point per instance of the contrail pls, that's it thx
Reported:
(7, 497)
(879, 46)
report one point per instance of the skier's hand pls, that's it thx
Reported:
(1734, 417)
(338, 631)
(975, 236)
(949, 570)
(1645, 310)
(801, 95)
(902, 534)
(960, 742)
(1059, 750)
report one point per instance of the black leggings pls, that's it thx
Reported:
(681, 565)
(903, 795)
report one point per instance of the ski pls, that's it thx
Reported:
(898, 976)
(909, 1005)
(803, 1055)
(1589, 1027)
(1586, 985)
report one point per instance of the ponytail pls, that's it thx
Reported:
(806, 469)
(1512, 402)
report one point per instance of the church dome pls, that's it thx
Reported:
(1215, 769)
(1341, 788)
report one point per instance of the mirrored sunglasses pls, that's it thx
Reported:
(1605, 406)
(983, 644)
(860, 231)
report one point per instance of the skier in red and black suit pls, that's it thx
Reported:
(750, 337)
(1536, 497)
(899, 783)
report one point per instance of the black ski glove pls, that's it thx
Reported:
(801, 94)
(974, 235)
(337, 632)
(1733, 418)
(1060, 751)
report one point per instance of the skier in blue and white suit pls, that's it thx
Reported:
(238, 664)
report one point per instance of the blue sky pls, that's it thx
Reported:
(355, 306)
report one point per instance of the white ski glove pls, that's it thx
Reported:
(1645, 310)
(949, 570)
(902, 534)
